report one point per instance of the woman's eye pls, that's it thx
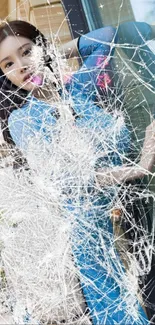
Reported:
(27, 52)
(8, 65)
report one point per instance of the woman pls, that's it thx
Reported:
(25, 116)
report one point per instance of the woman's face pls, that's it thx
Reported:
(16, 61)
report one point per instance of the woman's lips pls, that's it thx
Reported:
(27, 77)
(34, 79)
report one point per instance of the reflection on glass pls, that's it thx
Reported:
(114, 12)
(144, 10)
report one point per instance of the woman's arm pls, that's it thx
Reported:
(153, 32)
(70, 49)
(120, 174)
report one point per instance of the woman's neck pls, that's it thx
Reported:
(47, 95)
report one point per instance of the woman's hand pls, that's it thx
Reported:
(148, 151)
(70, 49)
(120, 174)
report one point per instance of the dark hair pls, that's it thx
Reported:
(10, 95)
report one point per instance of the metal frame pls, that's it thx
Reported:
(76, 17)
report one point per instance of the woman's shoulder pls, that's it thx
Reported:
(33, 107)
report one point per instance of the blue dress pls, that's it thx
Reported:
(100, 287)
(93, 238)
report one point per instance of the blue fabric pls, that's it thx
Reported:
(101, 291)
(33, 117)
(95, 78)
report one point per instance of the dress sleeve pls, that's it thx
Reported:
(133, 32)
(102, 37)
(27, 123)
(95, 77)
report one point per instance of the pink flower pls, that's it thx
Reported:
(102, 61)
(103, 80)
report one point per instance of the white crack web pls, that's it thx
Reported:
(59, 254)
